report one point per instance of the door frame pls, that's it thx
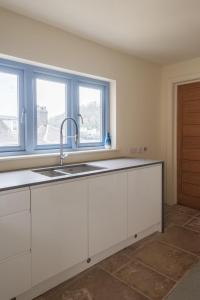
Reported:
(171, 134)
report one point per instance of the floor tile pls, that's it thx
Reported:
(150, 283)
(95, 284)
(189, 287)
(130, 251)
(166, 259)
(182, 238)
(176, 218)
(53, 294)
(183, 209)
(114, 262)
(79, 294)
(57, 292)
(194, 224)
(102, 286)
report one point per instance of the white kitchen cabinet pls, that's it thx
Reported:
(144, 198)
(71, 221)
(15, 276)
(59, 228)
(15, 243)
(107, 211)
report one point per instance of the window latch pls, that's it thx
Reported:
(22, 116)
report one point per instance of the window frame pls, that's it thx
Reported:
(94, 85)
(4, 68)
(67, 143)
(28, 106)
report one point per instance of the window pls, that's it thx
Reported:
(51, 110)
(11, 132)
(91, 110)
(34, 101)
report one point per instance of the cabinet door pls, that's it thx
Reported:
(59, 228)
(15, 276)
(15, 257)
(144, 198)
(107, 211)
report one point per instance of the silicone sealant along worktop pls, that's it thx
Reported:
(50, 226)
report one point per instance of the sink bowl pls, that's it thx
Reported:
(49, 172)
(75, 169)
(67, 170)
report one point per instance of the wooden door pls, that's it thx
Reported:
(188, 145)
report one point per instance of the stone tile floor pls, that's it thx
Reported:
(149, 269)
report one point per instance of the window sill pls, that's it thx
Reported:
(48, 155)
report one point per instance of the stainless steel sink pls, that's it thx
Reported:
(49, 172)
(75, 169)
(67, 170)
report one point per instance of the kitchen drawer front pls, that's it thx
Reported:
(14, 201)
(15, 276)
(14, 234)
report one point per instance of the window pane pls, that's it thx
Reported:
(90, 107)
(9, 110)
(51, 110)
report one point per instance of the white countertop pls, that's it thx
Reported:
(23, 178)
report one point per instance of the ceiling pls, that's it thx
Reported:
(161, 31)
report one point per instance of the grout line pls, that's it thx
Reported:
(186, 251)
(197, 215)
(124, 282)
(146, 266)
(154, 270)
(117, 270)
(132, 287)
(193, 230)
(143, 244)
(173, 223)
(135, 259)
(132, 259)
(178, 281)
(188, 221)
(176, 247)
(181, 226)
(183, 212)
(185, 225)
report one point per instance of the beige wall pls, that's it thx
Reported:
(173, 75)
(137, 81)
